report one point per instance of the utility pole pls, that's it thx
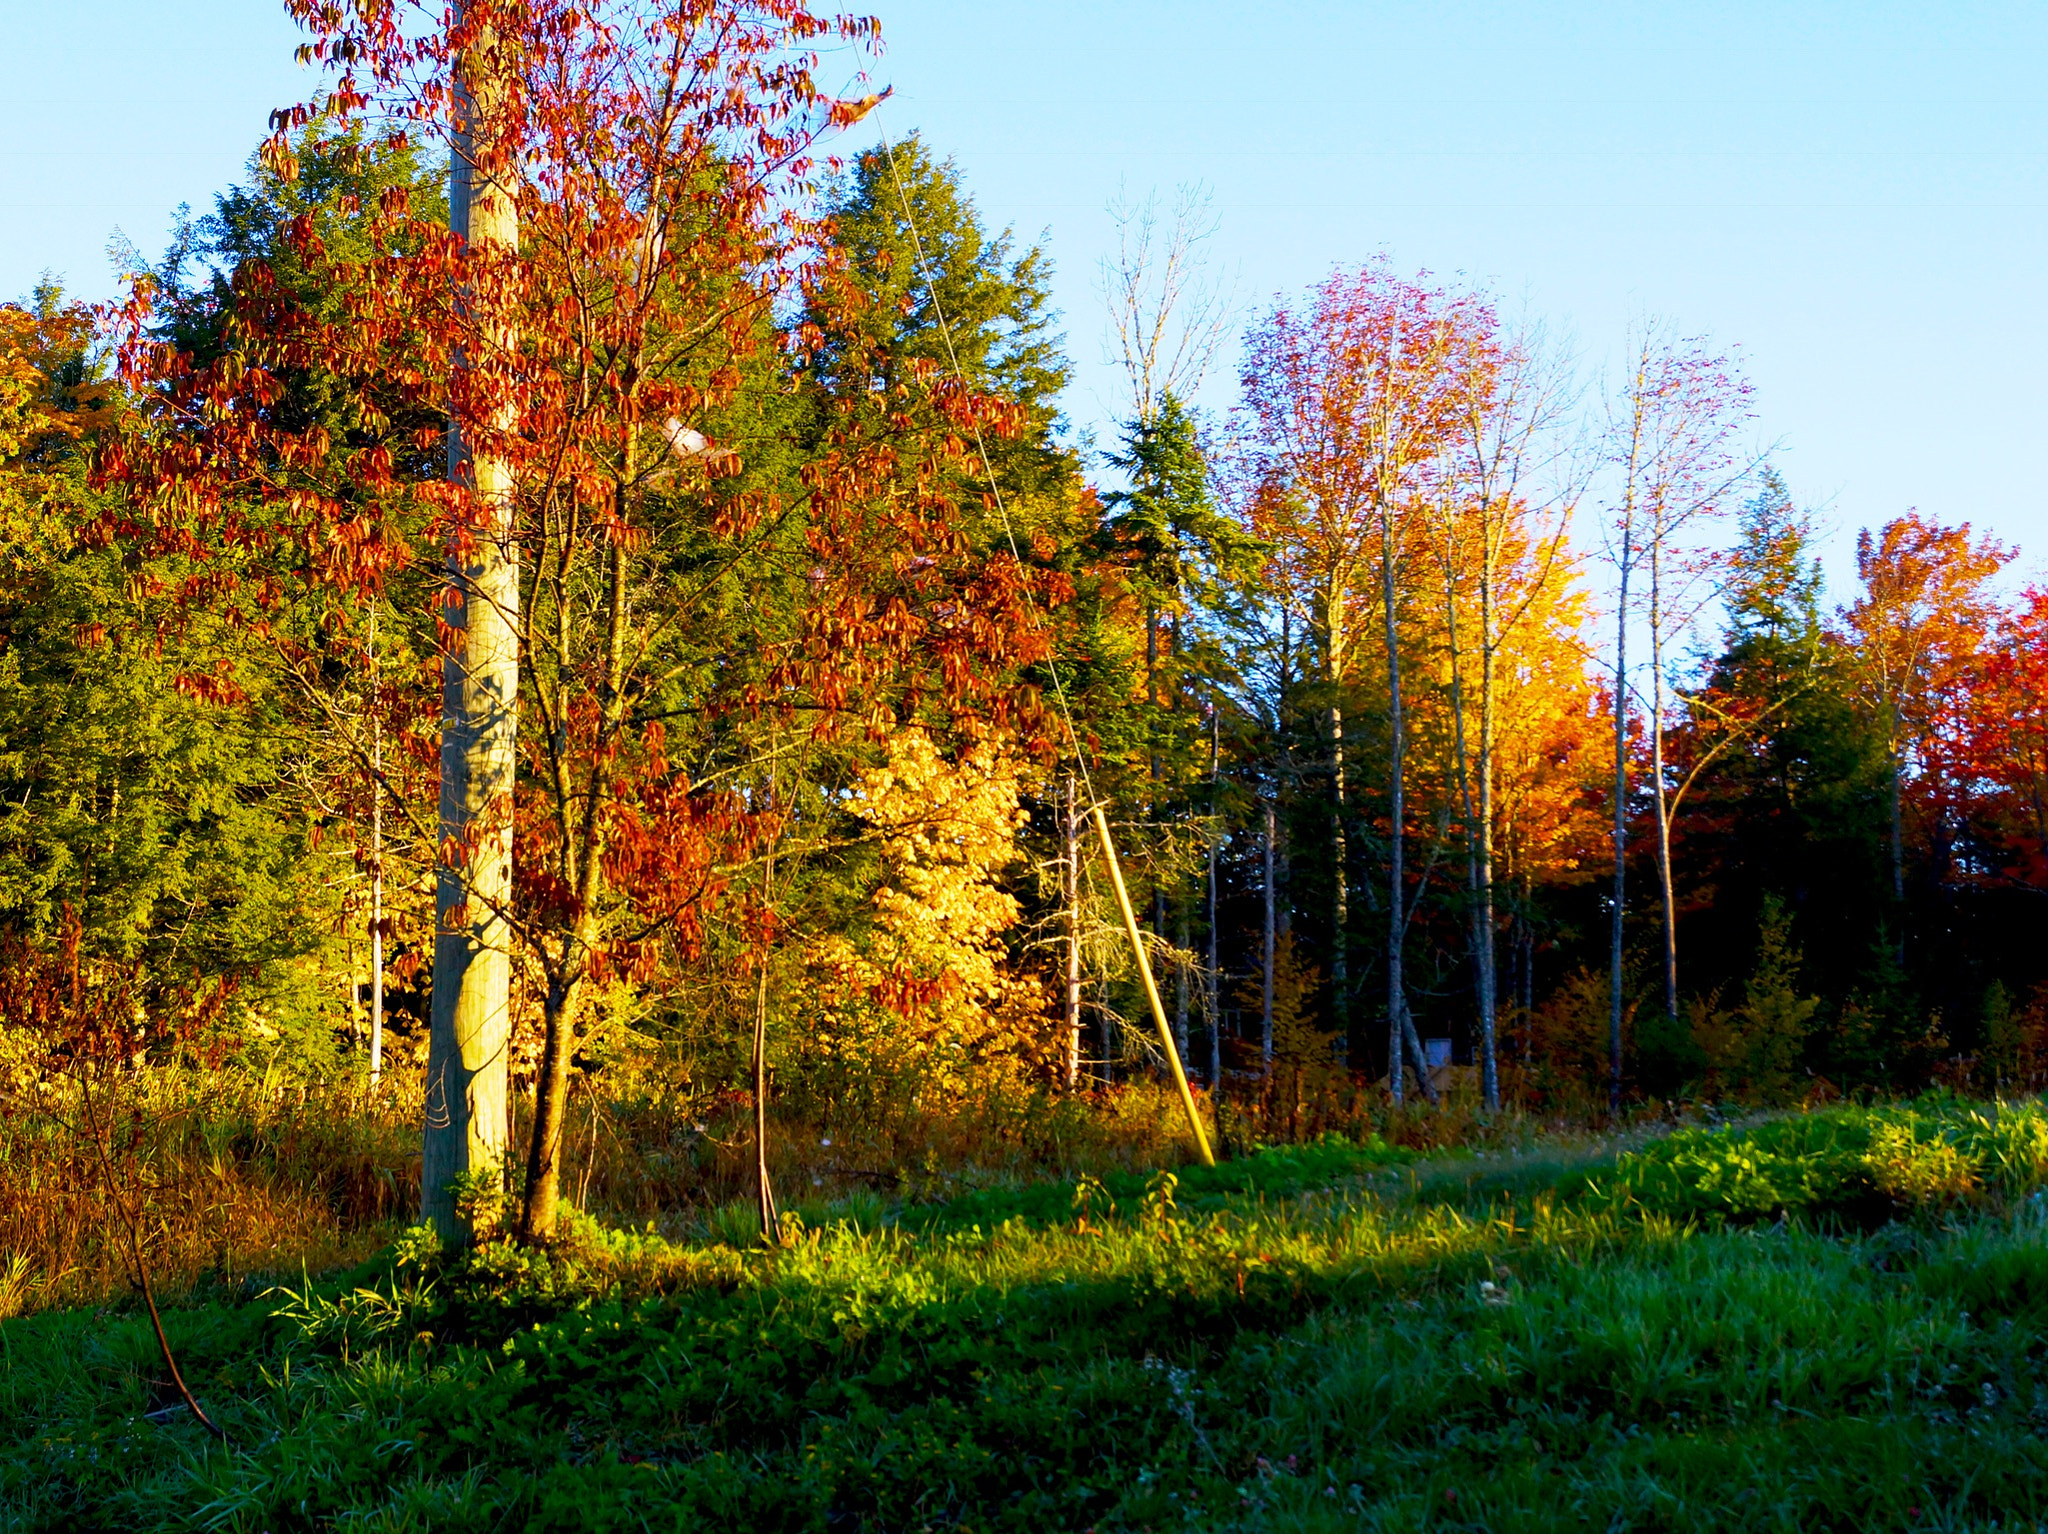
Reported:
(467, 1128)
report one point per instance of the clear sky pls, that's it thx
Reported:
(1851, 192)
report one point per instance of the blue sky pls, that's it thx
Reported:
(1853, 193)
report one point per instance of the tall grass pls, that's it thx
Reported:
(233, 1173)
(242, 1171)
(1295, 1343)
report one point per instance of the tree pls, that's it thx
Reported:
(1167, 316)
(1351, 402)
(1917, 627)
(168, 825)
(468, 1131)
(1779, 772)
(1504, 512)
(918, 1001)
(2002, 739)
(1183, 560)
(1671, 446)
(940, 294)
(701, 538)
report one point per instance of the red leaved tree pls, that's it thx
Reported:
(1919, 628)
(658, 529)
(2000, 741)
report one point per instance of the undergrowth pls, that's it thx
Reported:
(247, 1172)
(1332, 1336)
(1865, 1164)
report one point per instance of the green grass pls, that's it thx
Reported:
(1323, 1338)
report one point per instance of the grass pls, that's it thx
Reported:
(1323, 1337)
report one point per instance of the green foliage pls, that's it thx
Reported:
(2004, 1036)
(166, 822)
(1794, 808)
(995, 301)
(1757, 1048)
(1863, 1163)
(171, 825)
(1774, 586)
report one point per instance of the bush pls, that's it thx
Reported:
(1860, 1162)
(1918, 1172)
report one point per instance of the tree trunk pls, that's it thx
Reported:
(764, 1186)
(1182, 943)
(582, 862)
(1620, 839)
(1417, 1055)
(1282, 867)
(1478, 870)
(376, 873)
(1213, 985)
(1526, 997)
(1213, 978)
(1898, 766)
(467, 1132)
(550, 1110)
(1070, 877)
(1272, 922)
(1670, 905)
(1340, 874)
(1340, 839)
(1397, 997)
(1489, 1001)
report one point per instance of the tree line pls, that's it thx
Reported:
(566, 554)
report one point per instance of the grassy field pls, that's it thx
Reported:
(1829, 1321)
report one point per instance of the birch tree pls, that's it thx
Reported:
(1674, 457)
(1513, 485)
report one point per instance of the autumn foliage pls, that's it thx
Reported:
(813, 612)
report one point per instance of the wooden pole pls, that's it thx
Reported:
(1123, 902)
(469, 1041)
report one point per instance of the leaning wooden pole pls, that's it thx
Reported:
(1123, 904)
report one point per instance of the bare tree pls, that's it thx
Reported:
(1168, 312)
(1671, 443)
(1515, 480)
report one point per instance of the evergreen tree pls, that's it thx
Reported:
(1774, 587)
(1790, 800)
(177, 828)
(944, 292)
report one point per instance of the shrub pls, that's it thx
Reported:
(1918, 1172)
(1855, 1161)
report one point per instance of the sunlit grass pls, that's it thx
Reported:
(1315, 1339)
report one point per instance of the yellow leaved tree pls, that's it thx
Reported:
(921, 1000)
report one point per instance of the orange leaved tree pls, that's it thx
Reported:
(1919, 625)
(1353, 401)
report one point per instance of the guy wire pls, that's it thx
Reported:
(1170, 1047)
(931, 289)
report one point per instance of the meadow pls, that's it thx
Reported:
(1825, 1320)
